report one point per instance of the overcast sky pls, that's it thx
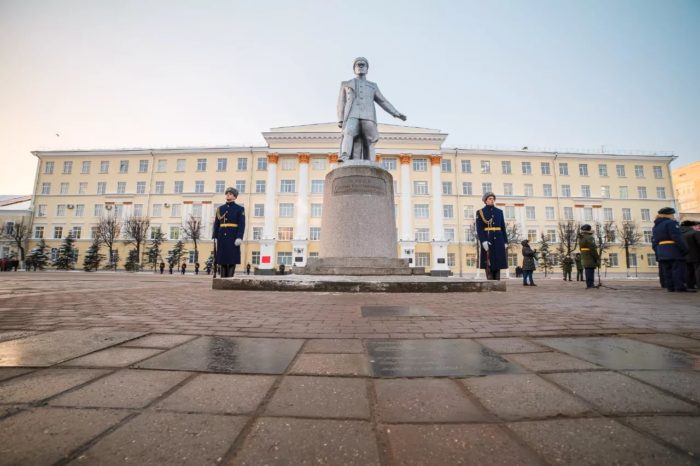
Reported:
(607, 75)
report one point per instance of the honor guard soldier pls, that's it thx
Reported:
(491, 230)
(589, 254)
(670, 249)
(229, 225)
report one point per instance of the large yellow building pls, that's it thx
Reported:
(686, 180)
(437, 192)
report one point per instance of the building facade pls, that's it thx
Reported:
(686, 181)
(437, 193)
(15, 220)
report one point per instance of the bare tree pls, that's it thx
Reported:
(630, 236)
(136, 233)
(108, 230)
(17, 232)
(513, 235)
(568, 237)
(192, 229)
(604, 234)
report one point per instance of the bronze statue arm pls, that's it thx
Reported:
(386, 105)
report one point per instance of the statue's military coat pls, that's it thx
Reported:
(356, 100)
(491, 227)
(229, 225)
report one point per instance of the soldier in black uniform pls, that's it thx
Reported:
(229, 225)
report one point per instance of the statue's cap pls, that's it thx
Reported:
(360, 59)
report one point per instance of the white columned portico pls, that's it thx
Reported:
(300, 242)
(267, 242)
(439, 246)
(407, 239)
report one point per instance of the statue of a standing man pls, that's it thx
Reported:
(357, 116)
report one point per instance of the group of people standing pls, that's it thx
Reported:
(677, 249)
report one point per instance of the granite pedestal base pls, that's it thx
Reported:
(358, 266)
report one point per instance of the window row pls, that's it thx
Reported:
(547, 190)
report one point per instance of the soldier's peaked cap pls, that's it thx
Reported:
(667, 211)
(233, 191)
(360, 59)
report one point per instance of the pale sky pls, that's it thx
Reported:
(615, 75)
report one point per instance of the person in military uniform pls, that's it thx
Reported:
(566, 267)
(670, 249)
(589, 255)
(579, 267)
(491, 230)
(229, 225)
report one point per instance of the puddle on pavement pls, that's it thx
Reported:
(228, 355)
(51, 348)
(621, 353)
(395, 311)
(435, 358)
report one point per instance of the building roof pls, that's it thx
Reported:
(15, 202)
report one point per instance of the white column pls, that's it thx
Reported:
(439, 245)
(300, 242)
(267, 243)
(407, 240)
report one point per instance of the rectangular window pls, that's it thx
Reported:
(197, 210)
(160, 187)
(260, 186)
(446, 166)
(319, 163)
(389, 163)
(466, 166)
(288, 186)
(485, 167)
(551, 235)
(507, 189)
(646, 215)
(80, 210)
(104, 166)
(221, 164)
(588, 213)
(509, 212)
(242, 164)
(421, 211)
(568, 213)
(38, 232)
(661, 193)
(449, 234)
(48, 168)
(45, 188)
(423, 234)
(470, 260)
(639, 171)
(545, 168)
(288, 163)
(422, 259)
(259, 210)
(285, 234)
(448, 211)
(469, 212)
(626, 214)
(565, 190)
(157, 210)
(549, 213)
(547, 190)
(624, 192)
(219, 186)
(138, 210)
(82, 188)
(140, 187)
(64, 188)
(529, 190)
(467, 188)
(420, 165)
(607, 214)
(527, 168)
(180, 165)
(284, 258)
(118, 210)
(469, 235)
(530, 212)
(43, 208)
(287, 210)
(123, 166)
(647, 236)
(420, 187)
(613, 259)
(176, 210)
(143, 166)
(651, 260)
(642, 192)
(257, 233)
(585, 190)
(583, 169)
(67, 167)
(658, 172)
(605, 192)
(240, 186)
(447, 188)
(201, 165)
(162, 166)
(317, 186)
(262, 164)
(57, 232)
(98, 210)
(532, 236)
(620, 169)
(564, 169)
(602, 169)
(178, 187)
(505, 167)
(174, 231)
(255, 257)
(486, 188)
(316, 210)
(121, 187)
(315, 233)
(451, 259)
(633, 259)
(85, 168)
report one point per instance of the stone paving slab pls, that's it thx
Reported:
(512, 345)
(284, 441)
(683, 383)
(10, 372)
(594, 442)
(425, 400)
(476, 444)
(167, 439)
(15, 335)
(46, 435)
(667, 339)
(331, 364)
(525, 396)
(541, 362)
(615, 393)
(681, 431)
(45, 383)
(333, 346)
(160, 341)
(113, 357)
(324, 397)
(219, 393)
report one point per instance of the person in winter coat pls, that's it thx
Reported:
(529, 263)
(579, 267)
(589, 255)
(670, 249)
(691, 234)
(566, 266)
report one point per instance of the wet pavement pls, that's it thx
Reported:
(136, 369)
